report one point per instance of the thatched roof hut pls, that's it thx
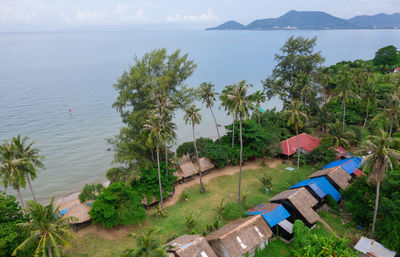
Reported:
(205, 164)
(299, 203)
(191, 246)
(81, 212)
(338, 177)
(240, 237)
(187, 169)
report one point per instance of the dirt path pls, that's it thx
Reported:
(326, 225)
(122, 231)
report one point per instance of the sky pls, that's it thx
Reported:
(27, 15)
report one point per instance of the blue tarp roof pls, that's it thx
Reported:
(349, 165)
(320, 186)
(273, 216)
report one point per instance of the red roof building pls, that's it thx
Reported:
(306, 143)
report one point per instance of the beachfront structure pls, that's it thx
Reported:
(240, 237)
(205, 164)
(186, 171)
(371, 248)
(306, 144)
(299, 203)
(337, 176)
(81, 212)
(276, 217)
(319, 188)
(190, 246)
(350, 165)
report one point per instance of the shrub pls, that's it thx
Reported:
(90, 192)
(117, 204)
(266, 180)
(184, 196)
(321, 155)
(233, 211)
(190, 224)
(332, 203)
(217, 153)
(118, 174)
(188, 147)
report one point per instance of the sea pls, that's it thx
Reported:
(57, 87)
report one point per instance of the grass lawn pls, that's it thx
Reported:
(201, 207)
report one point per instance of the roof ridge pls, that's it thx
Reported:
(240, 226)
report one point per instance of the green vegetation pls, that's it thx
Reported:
(117, 204)
(90, 192)
(147, 245)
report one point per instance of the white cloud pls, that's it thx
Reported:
(204, 17)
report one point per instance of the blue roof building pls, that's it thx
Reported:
(319, 187)
(350, 165)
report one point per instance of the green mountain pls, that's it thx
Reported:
(316, 20)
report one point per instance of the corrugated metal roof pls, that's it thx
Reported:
(306, 142)
(320, 186)
(350, 165)
(272, 213)
(286, 225)
(372, 248)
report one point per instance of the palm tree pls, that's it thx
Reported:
(10, 168)
(392, 109)
(241, 105)
(306, 87)
(208, 96)
(258, 98)
(296, 119)
(228, 106)
(192, 116)
(154, 131)
(337, 137)
(31, 157)
(379, 161)
(343, 91)
(148, 245)
(368, 95)
(47, 229)
(165, 110)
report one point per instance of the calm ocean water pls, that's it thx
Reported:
(44, 75)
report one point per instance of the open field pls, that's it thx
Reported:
(98, 241)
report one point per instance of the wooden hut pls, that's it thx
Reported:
(338, 177)
(191, 246)
(299, 203)
(205, 164)
(319, 188)
(240, 237)
(187, 171)
(276, 217)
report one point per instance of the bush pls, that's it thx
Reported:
(321, 155)
(118, 174)
(90, 192)
(188, 147)
(217, 153)
(233, 211)
(266, 180)
(308, 243)
(117, 204)
(332, 203)
(190, 224)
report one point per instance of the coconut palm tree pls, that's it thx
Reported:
(296, 119)
(258, 98)
(337, 137)
(343, 90)
(227, 104)
(392, 109)
(305, 85)
(241, 104)
(193, 117)
(31, 157)
(10, 168)
(148, 245)
(155, 133)
(165, 110)
(379, 160)
(368, 95)
(208, 97)
(47, 229)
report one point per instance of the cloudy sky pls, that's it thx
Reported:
(166, 14)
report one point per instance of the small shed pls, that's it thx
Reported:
(350, 165)
(306, 143)
(187, 170)
(319, 188)
(191, 246)
(240, 237)
(276, 217)
(338, 177)
(370, 247)
(299, 203)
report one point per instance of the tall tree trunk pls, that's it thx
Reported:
(240, 160)
(202, 190)
(30, 186)
(233, 131)
(391, 127)
(344, 114)
(166, 159)
(49, 251)
(366, 117)
(159, 175)
(298, 151)
(378, 185)
(152, 154)
(259, 115)
(20, 196)
(216, 125)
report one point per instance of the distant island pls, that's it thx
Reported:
(316, 20)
